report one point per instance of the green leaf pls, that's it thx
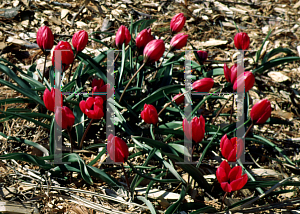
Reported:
(276, 51)
(148, 203)
(262, 45)
(172, 209)
(215, 72)
(79, 120)
(146, 23)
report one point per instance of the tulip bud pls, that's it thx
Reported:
(177, 23)
(179, 98)
(92, 107)
(154, 50)
(178, 41)
(231, 179)
(202, 55)
(230, 73)
(117, 149)
(242, 41)
(231, 149)
(45, 39)
(194, 130)
(66, 119)
(261, 111)
(49, 99)
(122, 36)
(247, 78)
(80, 40)
(67, 56)
(143, 39)
(203, 85)
(149, 114)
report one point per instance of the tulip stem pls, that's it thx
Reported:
(151, 132)
(248, 130)
(160, 64)
(44, 68)
(126, 177)
(72, 67)
(71, 141)
(223, 200)
(231, 111)
(130, 82)
(219, 112)
(84, 134)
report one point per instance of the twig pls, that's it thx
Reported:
(219, 112)
(75, 16)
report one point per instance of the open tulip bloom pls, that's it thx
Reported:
(92, 107)
(231, 179)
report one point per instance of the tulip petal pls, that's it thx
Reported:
(235, 173)
(226, 187)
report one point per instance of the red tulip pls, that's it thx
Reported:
(122, 36)
(177, 23)
(261, 111)
(178, 41)
(92, 107)
(242, 41)
(203, 85)
(230, 73)
(247, 78)
(154, 50)
(231, 149)
(80, 40)
(194, 130)
(99, 87)
(117, 149)
(179, 100)
(45, 38)
(66, 119)
(67, 56)
(202, 55)
(143, 39)
(49, 99)
(231, 179)
(149, 114)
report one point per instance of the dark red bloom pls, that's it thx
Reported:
(154, 50)
(99, 87)
(66, 119)
(179, 98)
(242, 41)
(92, 107)
(203, 85)
(45, 38)
(230, 73)
(149, 114)
(231, 179)
(231, 149)
(178, 41)
(49, 99)
(177, 23)
(247, 78)
(261, 111)
(67, 56)
(122, 36)
(194, 130)
(202, 55)
(80, 40)
(143, 39)
(117, 149)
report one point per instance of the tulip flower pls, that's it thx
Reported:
(122, 36)
(261, 111)
(178, 41)
(67, 56)
(45, 38)
(149, 114)
(154, 50)
(230, 73)
(66, 119)
(231, 149)
(80, 40)
(231, 179)
(177, 23)
(242, 41)
(202, 55)
(203, 85)
(247, 78)
(195, 129)
(179, 100)
(99, 87)
(143, 38)
(117, 149)
(49, 99)
(92, 107)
